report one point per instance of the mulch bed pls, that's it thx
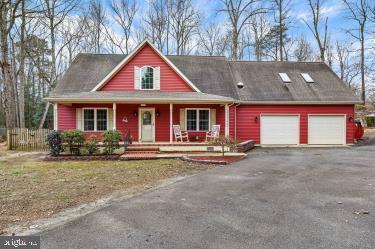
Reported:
(81, 158)
(213, 159)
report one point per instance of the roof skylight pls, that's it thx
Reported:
(285, 78)
(307, 77)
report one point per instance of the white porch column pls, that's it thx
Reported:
(114, 116)
(170, 123)
(55, 116)
(226, 120)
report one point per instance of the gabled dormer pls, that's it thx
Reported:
(146, 69)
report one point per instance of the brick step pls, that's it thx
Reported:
(134, 156)
(154, 149)
(141, 152)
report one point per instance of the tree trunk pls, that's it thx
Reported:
(44, 115)
(363, 66)
(9, 101)
(21, 73)
(281, 31)
(234, 45)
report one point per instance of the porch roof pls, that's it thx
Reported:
(139, 96)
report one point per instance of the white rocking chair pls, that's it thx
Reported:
(213, 134)
(179, 134)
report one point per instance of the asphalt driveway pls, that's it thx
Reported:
(275, 198)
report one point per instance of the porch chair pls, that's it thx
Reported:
(213, 134)
(179, 134)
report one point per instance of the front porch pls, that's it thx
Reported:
(146, 123)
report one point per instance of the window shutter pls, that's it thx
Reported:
(137, 78)
(79, 119)
(110, 119)
(157, 78)
(212, 117)
(182, 119)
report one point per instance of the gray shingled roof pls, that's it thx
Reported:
(145, 96)
(218, 77)
(263, 83)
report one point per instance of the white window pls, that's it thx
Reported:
(95, 119)
(197, 119)
(285, 78)
(147, 78)
(307, 77)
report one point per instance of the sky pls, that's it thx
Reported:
(333, 9)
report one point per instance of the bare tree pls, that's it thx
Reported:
(320, 36)
(184, 21)
(348, 70)
(358, 12)
(54, 13)
(239, 12)
(96, 19)
(212, 40)
(124, 13)
(303, 50)
(157, 23)
(8, 14)
(259, 26)
(282, 17)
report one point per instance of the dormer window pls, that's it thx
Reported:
(284, 77)
(307, 77)
(147, 78)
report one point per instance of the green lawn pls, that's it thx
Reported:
(32, 189)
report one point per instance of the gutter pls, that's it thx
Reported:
(147, 100)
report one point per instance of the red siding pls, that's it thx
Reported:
(66, 117)
(247, 128)
(220, 117)
(170, 81)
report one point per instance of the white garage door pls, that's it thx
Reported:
(279, 129)
(327, 129)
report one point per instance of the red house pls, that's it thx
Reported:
(146, 92)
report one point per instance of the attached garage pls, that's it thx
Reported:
(326, 129)
(279, 129)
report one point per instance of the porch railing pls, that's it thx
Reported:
(127, 139)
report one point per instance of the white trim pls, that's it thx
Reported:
(153, 78)
(226, 109)
(114, 107)
(325, 114)
(197, 122)
(170, 123)
(132, 54)
(283, 114)
(140, 109)
(95, 118)
(55, 117)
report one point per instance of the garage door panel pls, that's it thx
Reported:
(327, 129)
(280, 129)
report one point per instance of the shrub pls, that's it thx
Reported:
(74, 140)
(224, 141)
(91, 145)
(370, 121)
(111, 141)
(54, 143)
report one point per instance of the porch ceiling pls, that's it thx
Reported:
(140, 96)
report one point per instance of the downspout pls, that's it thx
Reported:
(229, 118)
(235, 121)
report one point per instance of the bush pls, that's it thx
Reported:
(74, 140)
(91, 145)
(111, 141)
(54, 143)
(370, 121)
(224, 142)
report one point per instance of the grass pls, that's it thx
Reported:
(32, 189)
(370, 132)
